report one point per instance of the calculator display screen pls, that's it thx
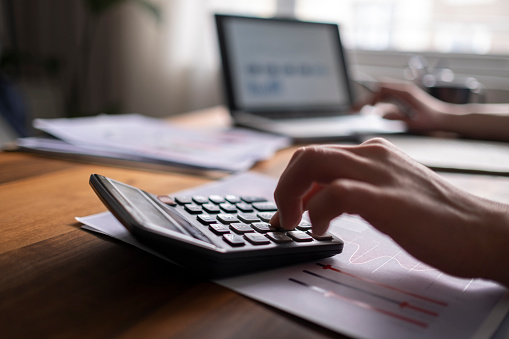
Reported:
(145, 208)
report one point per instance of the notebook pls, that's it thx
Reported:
(290, 77)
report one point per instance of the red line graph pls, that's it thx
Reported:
(364, 305)
(418, 296)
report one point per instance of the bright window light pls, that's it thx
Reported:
(453, 26)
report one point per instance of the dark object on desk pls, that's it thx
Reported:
(216, 244)
(443, 84)
(457, 91)
(12, 107)
(289, 77)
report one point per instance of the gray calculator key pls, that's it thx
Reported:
(227, 218)
(184, 200)
(248, 218)
(279, 237)
(206, 219)
(245, 207)
(266, 216)
(300, 236)
(232, 199)
(234, 240)
(193, 209)
(256, 239)
(324, 237)
(251, 199)
(200, 199)
(241, 228)
(216, 199)
(211, 208)
(265, 206)
(219, 229)
(228, 208)
(263, 227)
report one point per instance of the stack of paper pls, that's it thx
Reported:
(137, 138)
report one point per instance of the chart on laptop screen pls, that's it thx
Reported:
(285, 63)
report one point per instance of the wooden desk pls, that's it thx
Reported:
(59, 281)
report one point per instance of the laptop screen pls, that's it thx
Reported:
(282, 64)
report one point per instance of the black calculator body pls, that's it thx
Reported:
(213, 236)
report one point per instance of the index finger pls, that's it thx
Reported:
(316, 165)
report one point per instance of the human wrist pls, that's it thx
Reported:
(496, 247)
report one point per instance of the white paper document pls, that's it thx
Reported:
(459, 155)
(374, 289)
(140, 138)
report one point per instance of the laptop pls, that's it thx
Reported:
(291, 78)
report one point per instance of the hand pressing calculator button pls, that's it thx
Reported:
(212, 235)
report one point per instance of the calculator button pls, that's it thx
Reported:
(251, 199)
(193, 209)
(219, 229)
(206, 219)
(234, 240)
(228, 208)
(263, 227)
(299, 236)
(227, 218)
(166, 200)
(265, 216)
(232, 199)
(241, 228)
(216, 199)
(183, 200)
(279, 237)
(211, 208)
(248, 218)
(304, 225)
(244, 207)
(256, 239)
(200, 199)
(265, 206)
(324, 237)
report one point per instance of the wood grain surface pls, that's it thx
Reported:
(59, 281)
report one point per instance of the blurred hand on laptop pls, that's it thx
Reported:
(424, 113)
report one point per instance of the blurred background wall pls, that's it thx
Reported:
(159, 57)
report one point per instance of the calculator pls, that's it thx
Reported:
(214, 236)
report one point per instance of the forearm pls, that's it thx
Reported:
(489, 121)
(496, 244)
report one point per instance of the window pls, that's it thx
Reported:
(450, 26)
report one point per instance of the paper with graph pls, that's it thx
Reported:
(371, 290)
